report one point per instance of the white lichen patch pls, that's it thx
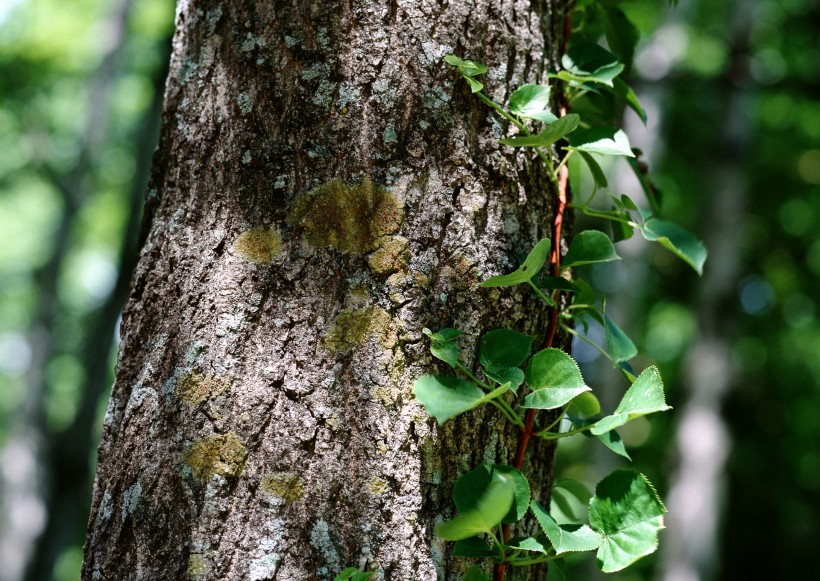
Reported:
(106, 507)
(139, 396)
(245, 103)
(130, 500)
(266, 559)
(390, 135)
(320, 540)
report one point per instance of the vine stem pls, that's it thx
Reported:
(555, 267)
(555, 270)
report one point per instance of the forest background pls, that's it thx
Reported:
(732, 92)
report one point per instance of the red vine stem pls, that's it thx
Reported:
(555, 270)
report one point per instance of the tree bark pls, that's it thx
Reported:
(324, 188)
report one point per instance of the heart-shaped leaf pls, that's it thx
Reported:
(445, 396)
(619, 346)
(602, 139)
(555, 378)
(592, 63)
(645, 396)
(531, 101)
(628, 514)
(504, 348)
(598, 175)
(489, 509)
(589, 247)
(565, 538)
(681, 242)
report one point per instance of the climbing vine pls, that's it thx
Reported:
(624, 514)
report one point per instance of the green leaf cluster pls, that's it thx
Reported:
(624, 517)
(620, 522)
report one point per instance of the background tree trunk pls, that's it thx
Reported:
(324, 188)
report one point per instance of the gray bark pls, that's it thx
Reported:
(324, 189)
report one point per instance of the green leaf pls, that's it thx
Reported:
(535, 260)
(567, 500)
(619, 346)
(585, 294)
(521, 500)
(588, 247)
(466, 67)
(475, 573)
(532, 544)
(531, 101)
(474, 548)
(628, 514)
(556, 379)
(445, 396)
(475, 86)
(681, 242)
(602, 139)
(551, 133)
(598, 175)
(645, 396)
(471, 487)
(621, 34)
(566, 538)
(585, 404)
(447, 352)
(490, 508)
(612, 440)
(556, 283)
(442, 335)
(543, 117)
(625, 93)
(504, 348)
(442, 346)
(591, 62)
(512, 375)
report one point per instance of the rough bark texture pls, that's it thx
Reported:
(324, 188)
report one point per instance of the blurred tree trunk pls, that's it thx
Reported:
(324, 189)
(697, 491)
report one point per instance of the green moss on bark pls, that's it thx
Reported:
(284, 485)
(352, 328)
(259, 245)
(222, 454)
(193, 389)
(347, 217)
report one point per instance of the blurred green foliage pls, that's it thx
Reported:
(76, 98)
(694, 60)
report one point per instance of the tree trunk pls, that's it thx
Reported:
(324, 188)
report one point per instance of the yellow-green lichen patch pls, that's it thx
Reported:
(284, 485)
(391, 256)
(198, 566)
(260, 245)
(193, 388)
(222, 454)
(352, 328)
(348, 217)
(385, 394)
(377, 486)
